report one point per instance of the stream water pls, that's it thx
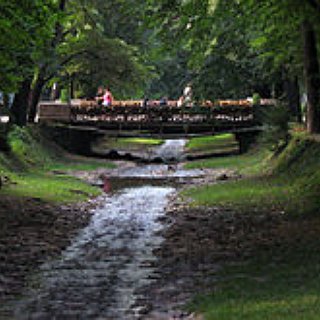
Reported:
(99, 274)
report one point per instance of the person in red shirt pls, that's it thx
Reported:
(107, 98)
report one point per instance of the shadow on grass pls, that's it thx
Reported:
(281, 280)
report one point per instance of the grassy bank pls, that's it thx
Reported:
(128, 144)
(222, 143)
(35, 167)
(280, 279)
(249, 163)
(288, 182)
(282, 283)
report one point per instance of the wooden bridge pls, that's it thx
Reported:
(78, 124)
(131, 116)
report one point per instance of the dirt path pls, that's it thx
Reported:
(32, 232)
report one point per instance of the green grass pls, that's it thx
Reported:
(249, 163)
(33, 152)
(31, 163)
(281, 283)
(218, 143)
(127, 144)
(78, 163)
(61, 189)
(146, 141)
(292, 184)
(256, 192)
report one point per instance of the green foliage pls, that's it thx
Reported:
(235, 48)
(82, 41)
(105, 61)
(276, 121)
(216, 38)
(256, 98)
(229, 49)
(171, 75)
(64, 95)
(23, 28)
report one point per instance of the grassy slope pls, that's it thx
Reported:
(146, 141)
(291, 186)
(280, 280)
(221, 143)
(30, 169)
(249, 163)
(266, 289)
(128, 144)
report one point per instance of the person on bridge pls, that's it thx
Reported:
(180, 102)
(99, 95)
(145, 102)
(107, 98)
(163, 101)
(187, 94)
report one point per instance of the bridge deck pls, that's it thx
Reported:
(160, 119)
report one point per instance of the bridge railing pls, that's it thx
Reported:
(224, 113)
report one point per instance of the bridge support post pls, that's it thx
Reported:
(245, 140)
(4, 146)
(73, 139)
(186, 129)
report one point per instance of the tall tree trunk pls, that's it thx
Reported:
(296, 100)
(20, 103)
(35, 97)
(71, 88)
(312, 77)
(278, 87)
(6, 100)
(293, 98)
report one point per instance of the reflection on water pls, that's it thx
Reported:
(97, 276)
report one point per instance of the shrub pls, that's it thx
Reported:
(64, 96)
(276, 134)
(256, 98)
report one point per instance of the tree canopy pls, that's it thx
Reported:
(229, 49)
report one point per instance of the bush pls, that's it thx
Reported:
(256, 98)
(64, 96)
(276, 134)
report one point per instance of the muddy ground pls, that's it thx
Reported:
(32, 232)
(198, 242)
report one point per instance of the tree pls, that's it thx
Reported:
(243, 42)
(295, 23)
(63, 39)
(216, 41)
(22, 26)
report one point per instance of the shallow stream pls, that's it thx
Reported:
(99, 274)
